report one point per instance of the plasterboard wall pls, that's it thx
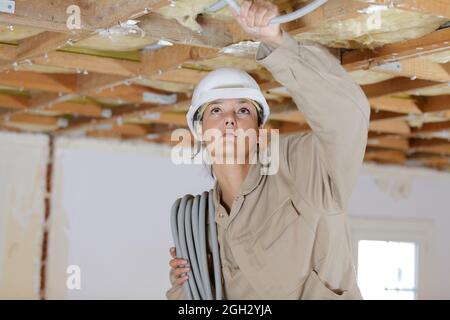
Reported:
(23, 160)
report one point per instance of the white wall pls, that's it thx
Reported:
(110, 217)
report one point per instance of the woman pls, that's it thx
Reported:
(285, 235)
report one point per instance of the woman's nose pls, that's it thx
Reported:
(230, 122)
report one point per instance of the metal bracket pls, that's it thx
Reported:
(390, 66)
(159, 98)
(7, 6)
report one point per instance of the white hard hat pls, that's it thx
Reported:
(226, 83)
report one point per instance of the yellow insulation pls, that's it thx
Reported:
(364, 31)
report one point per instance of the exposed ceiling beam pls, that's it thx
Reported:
(331, 11)
(169, 58)
(385, 156)
(99, 14)
(396, 86)
(431, 127)
(13, 102)
(52, 15)
(396, 126)
(435, 104)
(396, 143)
(438, 8)
(434, 42)
(399, 105)
(416, 68)
(66, 83)
(83, 62)
(158, 27)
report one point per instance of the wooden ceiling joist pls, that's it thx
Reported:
(417, 68)
(432, 127)
(157, 62)
(435, 104)
(95, 15)
(438, 8)
(392, 104)
(333, 10)
(433, 161)
(385, 156)
(396, 86)
(13, 102)
(83, 63)
(395, 143)
(66, 83)
(432, 43)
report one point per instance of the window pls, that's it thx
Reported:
(387, 270)
(391, 256)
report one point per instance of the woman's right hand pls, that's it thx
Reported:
(180, 267)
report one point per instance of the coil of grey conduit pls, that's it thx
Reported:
(215, 247)
(277, 20)
(188, 225)
(182, 241)
(190, 247)
(203, 247)
(194, 256)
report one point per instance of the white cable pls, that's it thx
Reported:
(277, 20)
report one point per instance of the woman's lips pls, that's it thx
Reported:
(229, 133)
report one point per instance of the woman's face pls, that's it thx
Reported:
(230, 128)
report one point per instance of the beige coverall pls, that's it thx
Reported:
(287, 235)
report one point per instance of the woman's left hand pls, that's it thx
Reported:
(254, 18)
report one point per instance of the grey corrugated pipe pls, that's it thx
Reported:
(277, 20)
(188, 223)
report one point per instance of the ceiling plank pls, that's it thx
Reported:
(39, 81)
(397, 126)
(331, 11)
(435, 104)
(431, 127)
(81, 109)
(385, 156)
(106, 14)
(48, 15)
(416, 68)
(434, 42)
(43, 43)
(443, 149)
(393, 104)
(95, 14)
(13, 102)
(396, 86)
(158, 27)
(433, 161)
(45, 123)
(395, 143)
(438, 8)
(83, 62)
(159, 61)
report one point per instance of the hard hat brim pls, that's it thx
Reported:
(227, 93)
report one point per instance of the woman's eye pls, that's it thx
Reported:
(244, 110)
(215, 110)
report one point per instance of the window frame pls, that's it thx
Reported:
(419, 231)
